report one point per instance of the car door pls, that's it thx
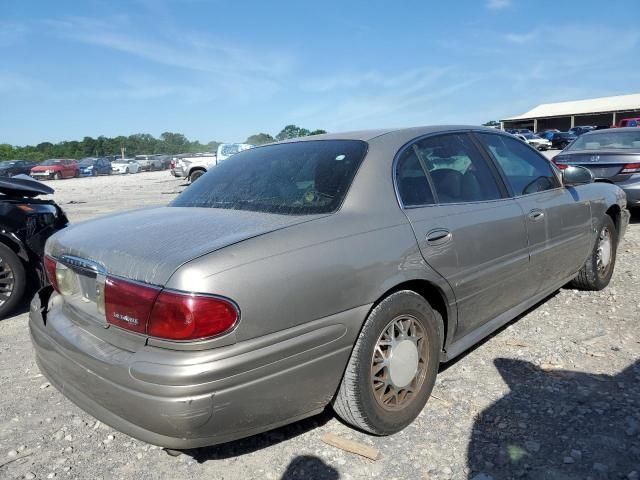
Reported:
(558, 219)
(466, 227)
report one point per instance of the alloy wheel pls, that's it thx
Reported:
(604, 250)
(398, 365)
(7, 281)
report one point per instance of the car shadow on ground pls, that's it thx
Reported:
(559, 424)
(635, 216)
(263, 440)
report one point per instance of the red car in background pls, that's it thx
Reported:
(56, 169)
(628, 122)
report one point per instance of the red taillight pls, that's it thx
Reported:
(50, 269)
(561, 166)
(128, 304)
(173, 164)
(148, 309)
(183, 316)
(631, 168)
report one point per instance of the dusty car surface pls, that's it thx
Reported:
(340, 269)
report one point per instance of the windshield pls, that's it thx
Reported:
(8, 163)
(609, 140)
(299, 178)
(52, 161)
(87, 162)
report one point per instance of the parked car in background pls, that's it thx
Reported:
(628, 122)
(559, 139)
(535, 141)
(148, 163)
(165, 161)
(336, 269)
(93, 166)
(612, 155)
(56, 169)
(542, 133)
(581, 129)
(125, 165)
(193, 167)
(25, 224)
(515, 131)
(225, 150)
(9, 168)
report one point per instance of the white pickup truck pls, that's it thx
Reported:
(192, 167)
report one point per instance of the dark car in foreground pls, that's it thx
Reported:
(612, 156)
(11, 168)
(334, 270)
(25, 224)
(92, 166)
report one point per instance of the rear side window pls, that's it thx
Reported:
(458, 171)
(413, 186)
(300, 178)
(526, 171)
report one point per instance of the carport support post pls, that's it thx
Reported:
(614, 118)
(573, 121)
(535, 125)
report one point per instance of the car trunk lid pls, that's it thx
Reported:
(148, 245)
(605, 165)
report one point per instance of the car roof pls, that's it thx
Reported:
(367, 135)
(609, 130)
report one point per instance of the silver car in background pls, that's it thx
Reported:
(337, 269)
(612, 155)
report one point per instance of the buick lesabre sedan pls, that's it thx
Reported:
(338, 269)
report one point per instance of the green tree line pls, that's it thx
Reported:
(138, 144)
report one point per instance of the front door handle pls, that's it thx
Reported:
(536, 215)
(438, 236)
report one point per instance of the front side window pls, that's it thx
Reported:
(458, 171)
(300, 178)
(526, 171)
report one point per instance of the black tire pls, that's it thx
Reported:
(195, 175)
(593, 276)
(57, 176)
(356, 401)
(563, 145)
(8, 258)
(126, 170)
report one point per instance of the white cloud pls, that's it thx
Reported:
(521, 38)
(498, 4)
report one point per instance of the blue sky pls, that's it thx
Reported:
(222, 70)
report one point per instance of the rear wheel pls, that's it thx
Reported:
(596, 272)
(195, 175)
(12, 280)
(393, 365)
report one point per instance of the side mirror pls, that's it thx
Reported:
(575, 175)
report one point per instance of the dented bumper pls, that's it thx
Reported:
(188, 399)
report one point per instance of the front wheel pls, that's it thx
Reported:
(126, 170)
(57, 176)
(12, 280)
(393, 365)
(195, 175)
(596, 272)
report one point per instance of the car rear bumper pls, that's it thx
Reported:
(632, 188)
(188, 399)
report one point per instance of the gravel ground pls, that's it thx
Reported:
(554, 394)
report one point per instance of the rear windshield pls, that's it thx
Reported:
(609, 140)
(301, 178)
(52, 161)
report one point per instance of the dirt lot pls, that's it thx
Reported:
(555, 394)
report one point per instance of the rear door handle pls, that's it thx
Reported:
(536, 215)
(438, 236)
